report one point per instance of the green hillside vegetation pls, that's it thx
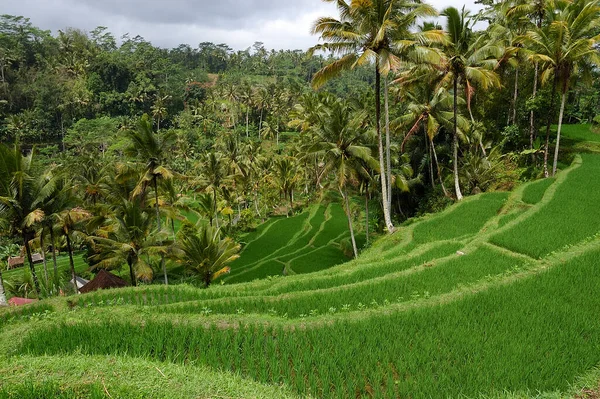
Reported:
(470, 302)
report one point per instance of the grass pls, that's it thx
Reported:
(569, 218)
(535, 192)
(579, 133)
(465, 219)
(496, 297)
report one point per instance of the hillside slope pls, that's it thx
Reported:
(495, 297)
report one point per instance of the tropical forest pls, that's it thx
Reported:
(406, 209)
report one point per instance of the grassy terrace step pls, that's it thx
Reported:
(465, 219)
(534, 192)
(432, 278)
(567, 219)
(483, 344)
(75, 377)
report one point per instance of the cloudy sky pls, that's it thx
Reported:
(280, 24)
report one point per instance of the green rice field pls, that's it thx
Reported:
(496, 297)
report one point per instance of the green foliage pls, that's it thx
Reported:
(535, 191)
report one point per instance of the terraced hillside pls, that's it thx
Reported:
(305, 243)
(496, 297)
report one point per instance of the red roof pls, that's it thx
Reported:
(20, 301)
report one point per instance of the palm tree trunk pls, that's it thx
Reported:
(131, 273)
(515, 97)
(157, 206)
(388, 159)
(247, 121)
(560, 118)
(367, 213)
(261, 121)
(71, 263)
(3, 301)
(384, 192)
(44, 259)
(532, 113)
(549, 122)
(31, 267)
(459, 196)
(431, 177)
(439, 171)
(349, 216)
(215, 207)
(53, 249)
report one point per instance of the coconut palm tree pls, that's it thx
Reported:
(127, 237)
(152, 149)
(564, 49)
(376, 31)
(22, 194)
(70, 222)
(469, 61)
(205, 253)
(214, 176)
(340, 135)
(286, 174)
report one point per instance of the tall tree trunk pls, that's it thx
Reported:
(215, 207)
(560, 118)
(247, 121)
(71, 263)
(53, 249)
(459, 196)
(261, 121)
(384, 192)
(131, 273)
(44, 259)
(31, 267)
(532, 113)
(157, 206)
(3, 301)
(549, 122)
(388, 157)
(439, 171)
(349, 216)
(430, 153)
(367, 214)
(515, 97)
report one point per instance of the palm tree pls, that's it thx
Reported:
(21, 197)
(374, 30)
(205, 253)
(287, 176)
(469, 61)
(124, 238)
(565, 48)
(213, 177)
(340, 133)
(152, 149)
(70, 222)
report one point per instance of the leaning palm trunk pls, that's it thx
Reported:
(547, 145)
(349, 216)
(31, 267)
(459, 196)
(439, 171)
(162, 257)
(532, 114)
(367, 215)
(515, 97)
(560, 118)
(384, 191)
(71, 263)
(388, 158)
(3, 301)
(44, 259)
(53, 249)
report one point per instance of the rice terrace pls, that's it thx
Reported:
(406, 208)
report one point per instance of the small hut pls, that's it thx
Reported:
(104, 280)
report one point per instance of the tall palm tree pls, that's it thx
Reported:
(565, 48)
(469, 61)
(373, 31)
(22, 194)
(205, 253)
(214, 176)
(70, 222)
(340, 136)
(125, 238)
(287, 175)
(152, 149)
